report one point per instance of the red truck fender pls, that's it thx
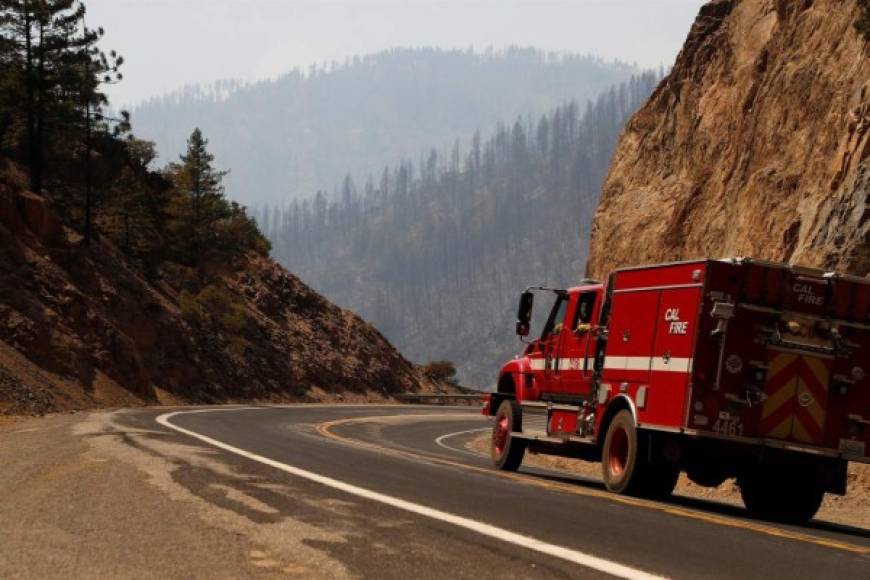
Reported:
(512, 379)
(614, 406)
(511, 385)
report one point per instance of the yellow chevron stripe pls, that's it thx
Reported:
(815, 410)
(782, 430)
(779, 362)
(777, 399)
(799, 433)
(819, 369)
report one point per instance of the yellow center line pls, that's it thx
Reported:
(325, 429)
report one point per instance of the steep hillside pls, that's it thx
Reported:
(83, 327)
(756, 144)
(303, 132)
(435, 255)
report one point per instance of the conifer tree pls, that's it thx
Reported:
(92, 69)
(18, 21)
(135, 204)
(202, 185)
(55, 70)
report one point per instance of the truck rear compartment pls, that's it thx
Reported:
(791, 361)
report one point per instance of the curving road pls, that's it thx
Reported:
(429, 508)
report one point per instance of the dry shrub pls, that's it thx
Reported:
(215, 308)
(443, 371)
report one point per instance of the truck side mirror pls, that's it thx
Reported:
(524, 313)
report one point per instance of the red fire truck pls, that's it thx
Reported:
(720, 368)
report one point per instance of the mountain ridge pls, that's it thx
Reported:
(303, 132)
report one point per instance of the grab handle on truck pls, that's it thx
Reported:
(723, 311)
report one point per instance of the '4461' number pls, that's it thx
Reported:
(733, 427)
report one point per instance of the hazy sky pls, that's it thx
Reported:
(170, 43)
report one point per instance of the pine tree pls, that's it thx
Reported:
(202, 186)
(18, 20)
(54, 71)
(93, 68)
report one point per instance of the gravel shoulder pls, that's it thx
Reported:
(85, 496)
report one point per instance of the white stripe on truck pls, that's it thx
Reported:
(621, 363)
(645, 363)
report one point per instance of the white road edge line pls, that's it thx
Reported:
(440, 440)
(526, 542)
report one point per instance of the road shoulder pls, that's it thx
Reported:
(87, 496)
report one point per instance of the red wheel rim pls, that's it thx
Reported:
(500, 434)
(617, 452)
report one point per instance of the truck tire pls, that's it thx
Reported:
(619, 459)
(780, 493)
(624, 467)
(706, 475)
(506, 451)
(660, 480)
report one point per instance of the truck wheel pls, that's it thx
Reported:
(661, 479)
(624, 467)
(706, 475)
(619, 459)
(506, 451)
(780, 494)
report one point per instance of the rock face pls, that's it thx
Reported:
(755, 145)
(82, 328)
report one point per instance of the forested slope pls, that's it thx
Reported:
(436, 254)
(123, 285)
(303, 132)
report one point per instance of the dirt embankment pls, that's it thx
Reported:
(82, 327)
(756, 144)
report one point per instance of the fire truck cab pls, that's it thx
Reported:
(719, 368)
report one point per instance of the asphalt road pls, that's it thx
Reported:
(412, 502)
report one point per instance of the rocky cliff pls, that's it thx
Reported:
(82, 327)
(756, 144)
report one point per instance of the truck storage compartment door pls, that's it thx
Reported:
(630, 336)
(672, 357)
(796, 393)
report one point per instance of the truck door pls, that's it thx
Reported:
(630, 337)
(577, 355)
(672, 356)
(545, 359)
